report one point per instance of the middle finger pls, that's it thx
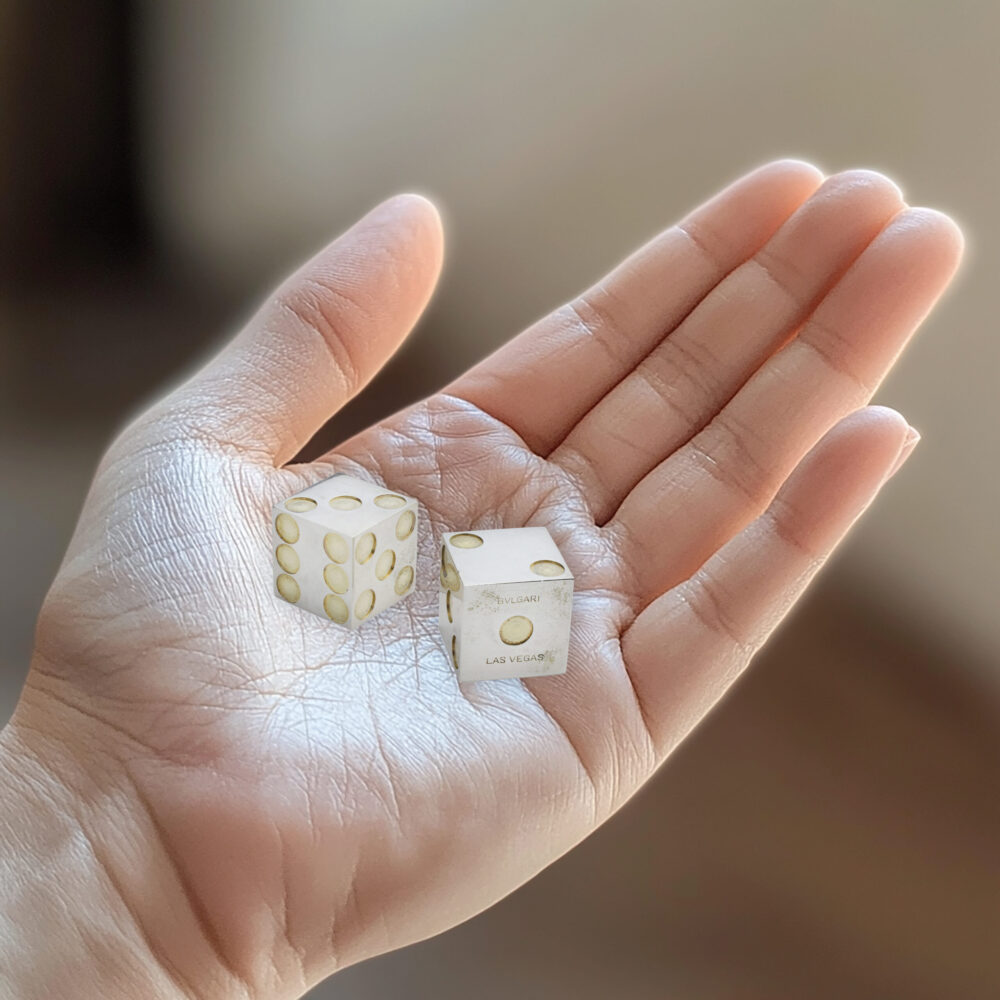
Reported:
(691, 375)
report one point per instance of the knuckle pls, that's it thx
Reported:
(726, 451)
(782, 274)
(593, 313)
(333, 314)
(707, 244)
(782, 518)
(681, 375)
(831, 346)
(708, 601)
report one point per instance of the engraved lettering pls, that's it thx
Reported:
(548, 654)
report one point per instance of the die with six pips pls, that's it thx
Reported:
(346, 549)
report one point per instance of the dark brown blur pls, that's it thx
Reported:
(833, 829)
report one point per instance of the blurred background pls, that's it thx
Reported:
(833, 829)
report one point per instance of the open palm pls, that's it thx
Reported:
(290, 797)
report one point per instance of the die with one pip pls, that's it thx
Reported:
(506, 602)
(344, 549)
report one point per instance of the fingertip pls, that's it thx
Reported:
(864, 447)
(771, 192)
(862, 181)
(787, 182)
(942, 228)
(792, 168)
(410, 219)
(418, 210)
(421, 205)
(875, 419)
(879, 429)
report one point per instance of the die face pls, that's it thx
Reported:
(348, 560)
(384, 565)
(514, 629)
(347, 503)
(508, 555)
(504, 627)
(307, 557)
(450, 618)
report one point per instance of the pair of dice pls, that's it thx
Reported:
(346, 549)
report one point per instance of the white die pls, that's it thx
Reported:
(344, 549)
(506, 602)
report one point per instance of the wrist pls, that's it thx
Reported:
(88, 909)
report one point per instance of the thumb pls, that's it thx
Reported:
(319, 339)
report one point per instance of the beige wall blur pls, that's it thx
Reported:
(557, 135)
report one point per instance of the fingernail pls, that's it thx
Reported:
(909, 443)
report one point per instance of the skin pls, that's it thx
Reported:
(206, 793)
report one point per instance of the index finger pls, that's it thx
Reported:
(543, 382)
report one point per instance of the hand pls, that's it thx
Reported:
(266, 797)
